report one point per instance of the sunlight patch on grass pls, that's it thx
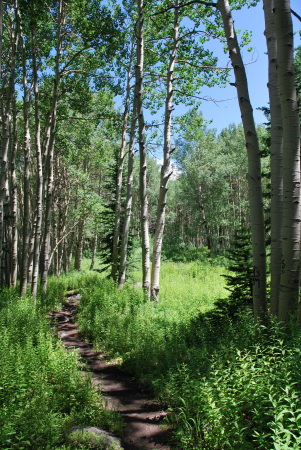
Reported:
(188, 289)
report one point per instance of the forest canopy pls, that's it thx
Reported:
(81, 176)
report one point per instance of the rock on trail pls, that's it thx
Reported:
(142, 415)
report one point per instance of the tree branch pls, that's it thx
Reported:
(83, 118)
(295, 14)
(203, 67)
(182, 5)
(90, 74)
(207, 99)
(73, 58)
(58, 243)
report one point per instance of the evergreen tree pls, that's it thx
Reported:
(240, 283)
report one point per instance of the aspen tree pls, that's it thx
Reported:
(128, 203)
(14, 200)
(166, 170)
(143, 181)
(26, 178)
(79, 244)
(291, 214)
(94, 250)
(38, 154)
(275, 157)
(116, 233)
(6, 135)
(254, 165)
(50, 140)
(63, 201)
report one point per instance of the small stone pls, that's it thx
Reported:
(94, 436)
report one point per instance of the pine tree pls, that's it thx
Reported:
(240, 284)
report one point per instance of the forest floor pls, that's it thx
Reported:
(142, 415)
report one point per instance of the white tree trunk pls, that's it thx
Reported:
(26, 177)
(143, 180)
(254, 165)
(6, 105)
(94, 250)
(39, 189)
(79, 245)
(120, 169)
(275, 157)
(49, 153)
(128, 205)
(166, 169)
(289, 287)
(14, 201)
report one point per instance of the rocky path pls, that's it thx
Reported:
(141, 414)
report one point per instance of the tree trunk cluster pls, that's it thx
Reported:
(59, 146)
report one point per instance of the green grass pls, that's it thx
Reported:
(191, 288)
(226, 386)
(188, 288)
(149, 337)
(42, 391)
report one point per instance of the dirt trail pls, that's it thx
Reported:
(141, 414)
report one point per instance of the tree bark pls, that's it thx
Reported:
(166, 170)
(69, 253)
(291, 218)
(254, 166)
(49, 163)
(204, 219)
(143, 166)
(94, 250)
(275, 157)
(128, 204)
(39, 189)
(14, 201)
(79, 245)
(120, 169)
(30, 257)
(5, 143)
(26, 177)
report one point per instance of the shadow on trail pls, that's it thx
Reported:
(142, 415)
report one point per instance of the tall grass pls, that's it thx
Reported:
(42, 391)
(248, 400)
(149, 336)
(227, 387)
(189, 288)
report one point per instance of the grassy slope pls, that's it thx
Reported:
(189, 288)
(42, 392)
(147, 336)
(227, 387)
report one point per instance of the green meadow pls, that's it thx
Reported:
(225, 384)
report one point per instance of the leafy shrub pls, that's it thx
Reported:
(42, 392)
(249, 400)
(228, 387)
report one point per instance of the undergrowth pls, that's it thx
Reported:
(148, 336)
(227, 387)
(42, 391)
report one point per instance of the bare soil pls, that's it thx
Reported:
(142, 415)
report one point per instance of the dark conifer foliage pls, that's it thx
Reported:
(240, 257)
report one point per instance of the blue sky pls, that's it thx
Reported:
(224, 111)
